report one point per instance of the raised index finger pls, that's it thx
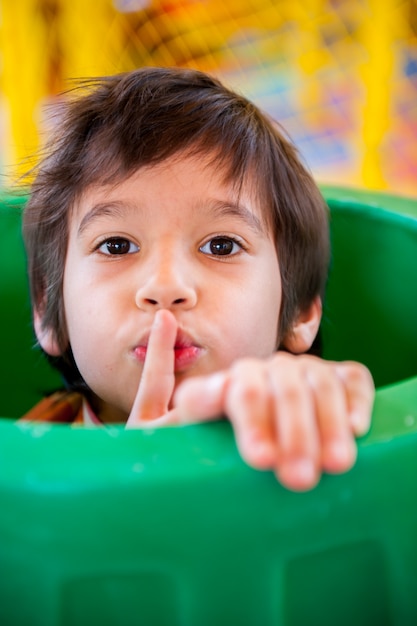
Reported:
(158, 377)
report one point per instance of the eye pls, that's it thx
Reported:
(221, 246)
(117, 246)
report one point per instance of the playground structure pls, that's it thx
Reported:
(110, 527)
(340, 76)
(114, 527)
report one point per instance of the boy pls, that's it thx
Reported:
(177, 255)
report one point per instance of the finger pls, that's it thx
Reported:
(299, 451)
(158, 377)
(248, 407)
(170, 418)
(359, 391)
(338, 449)
(201, 398)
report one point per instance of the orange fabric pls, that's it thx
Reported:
(62, 407)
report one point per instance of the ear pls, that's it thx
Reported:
(305, 328)
(45, 336)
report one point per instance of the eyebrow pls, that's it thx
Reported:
(235, 209)
(218, 208)
(104, 209)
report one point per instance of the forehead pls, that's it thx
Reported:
(203, 179)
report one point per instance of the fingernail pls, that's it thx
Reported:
(358, 423)
(260, 453)
(342, 452)
(302, 469)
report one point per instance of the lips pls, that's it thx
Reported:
(186, 356)
(186, 351)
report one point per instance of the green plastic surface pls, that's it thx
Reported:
(371, 303)
(167, 527)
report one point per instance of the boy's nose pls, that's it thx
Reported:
(166, 290)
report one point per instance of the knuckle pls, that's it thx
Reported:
(289, 391)
(247, 391)
(324, 383)
(358, 374)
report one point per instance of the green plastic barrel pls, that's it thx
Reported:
(119, 528)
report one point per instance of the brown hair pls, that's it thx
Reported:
(120, 123)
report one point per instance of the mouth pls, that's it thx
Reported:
(186, 351)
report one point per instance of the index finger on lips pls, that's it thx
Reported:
(158, 377)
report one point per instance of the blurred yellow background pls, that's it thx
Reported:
(340, 75)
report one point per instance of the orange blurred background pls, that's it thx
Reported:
(340, 75)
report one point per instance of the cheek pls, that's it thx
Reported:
(253, 326)
(85, 315)
(270, 315)
(268, 300)
(90, 330)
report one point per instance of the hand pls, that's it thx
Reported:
(296, 415)
(151, 405)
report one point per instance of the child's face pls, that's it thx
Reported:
(172, 236)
